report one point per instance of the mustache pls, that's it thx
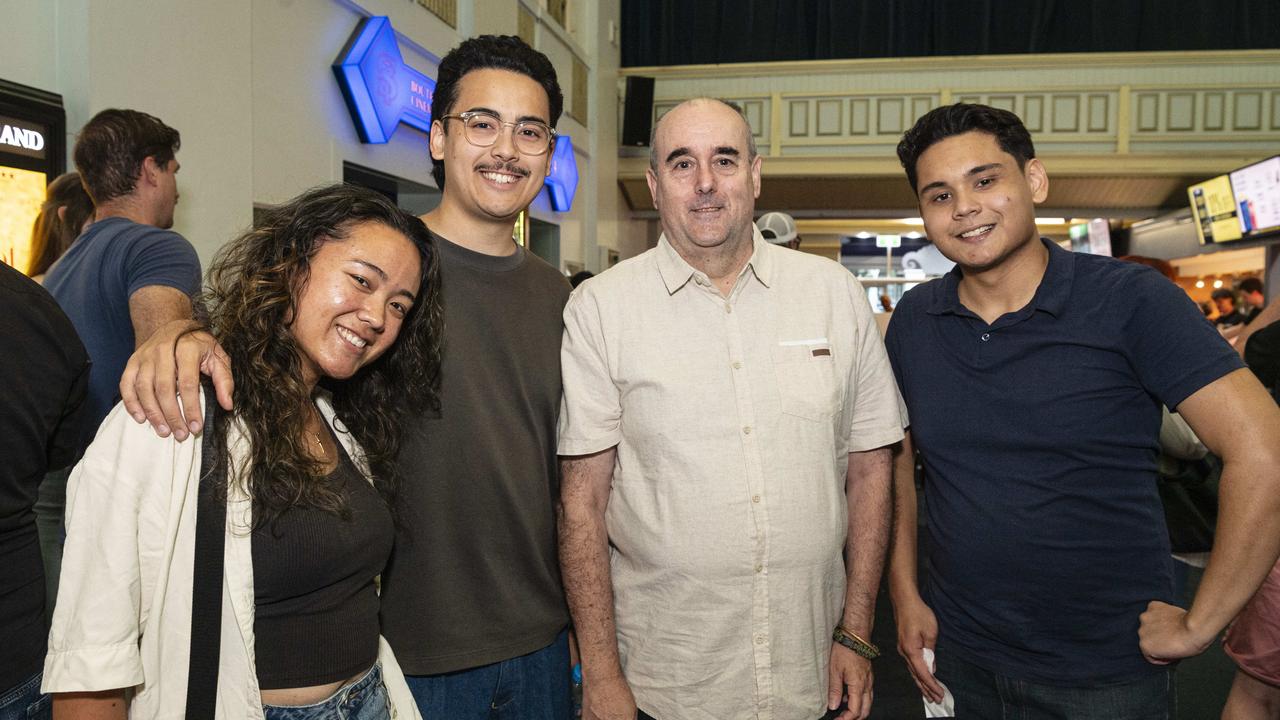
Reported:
(504, 167)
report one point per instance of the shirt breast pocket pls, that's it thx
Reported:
(806, 379)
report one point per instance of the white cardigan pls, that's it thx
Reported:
(123, 618)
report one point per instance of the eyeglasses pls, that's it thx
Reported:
(481, 129)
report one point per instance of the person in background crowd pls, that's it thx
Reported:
(1228, 314)
(326, 310)
(46, 375)
(128, 274)
(725, 465)
(65, 214)
(580, 277)
(1034, 378)
(779, 229)
(471, 601)
(1252, 297)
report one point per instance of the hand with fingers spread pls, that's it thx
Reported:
(917, 630)
(161, 382)
(849, 679)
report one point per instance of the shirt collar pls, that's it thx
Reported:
(676, 271)
(1051, 295)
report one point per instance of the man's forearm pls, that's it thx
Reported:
(584, 565)
(868, 496)
(1245, 546)
(902, 548)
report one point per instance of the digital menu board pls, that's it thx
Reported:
(1257, 196)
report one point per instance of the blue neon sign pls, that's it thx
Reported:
(380, 90)
(562, 180)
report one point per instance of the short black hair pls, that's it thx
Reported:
(950, 120)
(112, 147)
(1251, 285)
(1221, 293)
(498, 52)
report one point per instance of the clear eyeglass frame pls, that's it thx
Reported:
(531, 137)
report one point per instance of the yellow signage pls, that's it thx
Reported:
(1214, 208)
(21, 195)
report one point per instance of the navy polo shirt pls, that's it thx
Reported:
(1038, 433)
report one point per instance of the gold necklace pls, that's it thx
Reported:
(320, 445)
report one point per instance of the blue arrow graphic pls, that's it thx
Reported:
(380, 90)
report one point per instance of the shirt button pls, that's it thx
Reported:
(728, 308)
(737, 365)
(755, 499)
(746, 430)
(759, 639)
(986, 337)
(759, 568)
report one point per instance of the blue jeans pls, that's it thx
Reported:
(985, 695)
(530, 687)
(24, 701)
(363, 699)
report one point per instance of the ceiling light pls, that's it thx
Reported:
(1217, 284)
(913, 235)
(864, 235)
(1051, 221)
(912, 221)
(1199, 283)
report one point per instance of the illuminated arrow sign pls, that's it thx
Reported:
(380, 90)
(562, 180)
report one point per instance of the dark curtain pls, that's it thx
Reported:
(685, 32)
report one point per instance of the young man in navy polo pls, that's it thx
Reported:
(1034, 378)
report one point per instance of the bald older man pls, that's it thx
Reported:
(728, 407)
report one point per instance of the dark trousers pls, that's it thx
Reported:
(981, 695)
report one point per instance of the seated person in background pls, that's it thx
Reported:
(308, 308)
(66, 211)
(1254, 300)
(1228, 315)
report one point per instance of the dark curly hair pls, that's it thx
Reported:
(498, 52)
(950, 120)
(53, 232)
(112, 146)
(252, 294)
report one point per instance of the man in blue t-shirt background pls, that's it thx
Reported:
(1034, 379)
(127, 274)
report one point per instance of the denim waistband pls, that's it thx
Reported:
(344, 702)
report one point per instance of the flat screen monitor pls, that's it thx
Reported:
(1257, 197)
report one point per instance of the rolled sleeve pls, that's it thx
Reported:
(591, 407)
(93, 644)
(877, 413)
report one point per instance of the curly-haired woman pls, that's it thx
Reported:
(308, 307)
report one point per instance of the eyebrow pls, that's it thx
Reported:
(382, 274)
(722, 150)
(522, 118)
(973, 171)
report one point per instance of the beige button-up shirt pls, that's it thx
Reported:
(733, 420)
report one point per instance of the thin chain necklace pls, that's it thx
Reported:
(319, 445)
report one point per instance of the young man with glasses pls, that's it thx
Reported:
(471, 601)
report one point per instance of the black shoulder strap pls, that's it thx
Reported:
(206, 597)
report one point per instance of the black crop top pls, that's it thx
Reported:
(316, 619)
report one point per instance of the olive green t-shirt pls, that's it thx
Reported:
(474, 577)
